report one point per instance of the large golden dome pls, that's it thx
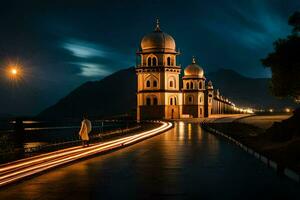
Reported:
(194, 70)
(158, 41)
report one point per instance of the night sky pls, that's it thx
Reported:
(62, 44)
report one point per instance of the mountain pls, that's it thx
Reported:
(116, 94)
(113, 95)
(245, 91)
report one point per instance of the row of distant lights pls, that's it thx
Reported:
(251, 111)
(243, 110)
(271, 110)
(287, 110)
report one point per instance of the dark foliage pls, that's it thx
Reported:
(284, 63)
(285, 130)
(294, 21)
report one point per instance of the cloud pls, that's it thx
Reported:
(83, 49)
(92, 69)
(253, 25)
(92, 58)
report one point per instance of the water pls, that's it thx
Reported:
(41, 133)
(56, 131)
(183, 163)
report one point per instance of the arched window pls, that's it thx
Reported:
(171, 84)
(148, 83)
(175, 101)
(154, 61)
(200, 111)
(192, 85)
(154, 83)
(169, 61)
(149, 61)
(187, 85)
(148, 101)
(171, 101)
(155, 102)
(200, 99)
(200, 85)
(190, 99)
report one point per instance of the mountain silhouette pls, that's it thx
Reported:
(116, 95)
(113, 95)
(247, 92)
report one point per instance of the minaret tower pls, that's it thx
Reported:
(209, 99)
(158, 92)
(193, 90)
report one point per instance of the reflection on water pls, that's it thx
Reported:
(199, 132)
(189, 131)
(30, 122)
(26, 122)
(183, 163)
(180, 132)
(214, 144)
(34, 144)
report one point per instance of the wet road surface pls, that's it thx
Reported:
(183, 163)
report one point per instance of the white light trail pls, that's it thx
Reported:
(17, 170)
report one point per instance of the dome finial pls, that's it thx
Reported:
(157, 28)
(194, 60)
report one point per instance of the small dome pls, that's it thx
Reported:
(194, 70)
(158, 41)
(209, 85)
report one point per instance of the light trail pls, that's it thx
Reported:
(63, 152)
(20, 169)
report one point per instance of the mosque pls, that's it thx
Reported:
(162, 93)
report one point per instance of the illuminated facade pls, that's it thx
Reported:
(159, 92)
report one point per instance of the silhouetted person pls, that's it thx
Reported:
(86, 127)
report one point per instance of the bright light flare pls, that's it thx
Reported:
(14, 72)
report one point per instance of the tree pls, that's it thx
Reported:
(294, 20)
(284, 63)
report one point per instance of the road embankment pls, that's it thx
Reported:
(283, 156)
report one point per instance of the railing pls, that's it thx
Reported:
(93, 139)
(41, 136)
